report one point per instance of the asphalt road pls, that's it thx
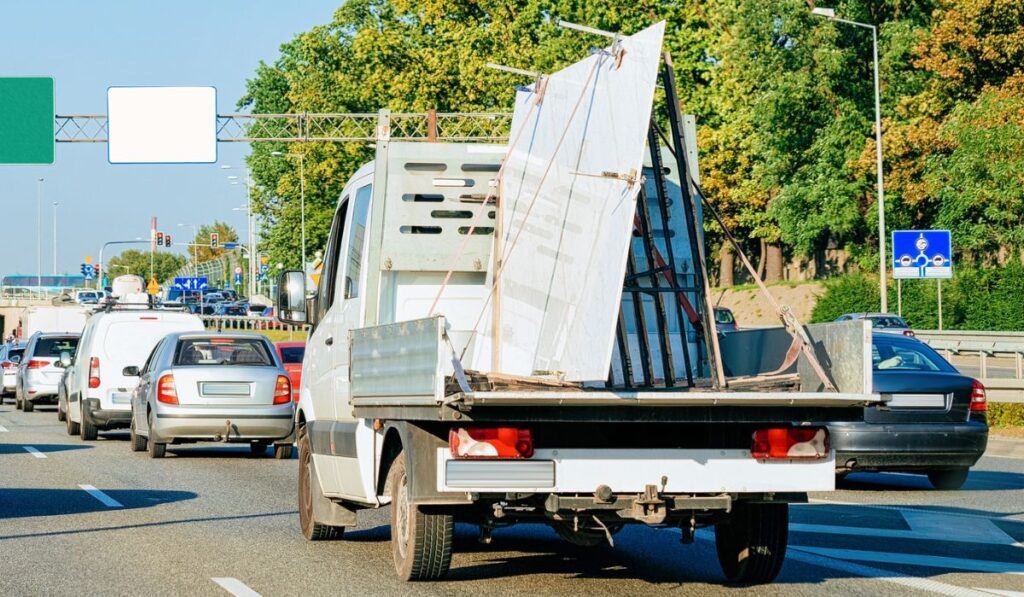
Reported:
(94, 518)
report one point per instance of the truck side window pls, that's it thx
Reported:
(356, 241)
(329, 269)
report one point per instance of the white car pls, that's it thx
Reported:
(97, 395)
(88, 297)
(10, 356)
(39, 371)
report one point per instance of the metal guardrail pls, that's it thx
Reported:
(985, 346)
(247, 323)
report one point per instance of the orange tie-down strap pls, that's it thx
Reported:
(670, 276)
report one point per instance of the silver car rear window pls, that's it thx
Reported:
(52, 347)
(249, 352)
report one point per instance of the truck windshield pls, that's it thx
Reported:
(250, 352)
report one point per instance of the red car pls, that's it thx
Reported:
(291, 355)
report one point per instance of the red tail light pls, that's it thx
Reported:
(790, 443)
(94, 372)
(37, 364)
(495, 442)
(165, 390)
(8, 365)
(979, 399)
(909, 333)
(283, 391)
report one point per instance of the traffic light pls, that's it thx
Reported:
(95, 269)
(167, 240)
(214, 240)
(159, 239)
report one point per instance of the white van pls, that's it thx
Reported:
(96, 395)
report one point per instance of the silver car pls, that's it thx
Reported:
(212, 387)
(886, 323)
(40, 370)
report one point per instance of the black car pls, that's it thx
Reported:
(934, 422)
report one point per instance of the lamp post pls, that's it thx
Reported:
(251, 231)
(830, 14)
(302, 196)
(55, 205)
(39, 234)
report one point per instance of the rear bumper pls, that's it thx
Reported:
(105, 418)
(581, 471)
(40, 393)
(273, 423)
(866, 446)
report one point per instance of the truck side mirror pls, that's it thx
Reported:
(65, 360)
(291, 298)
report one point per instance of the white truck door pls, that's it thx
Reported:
(350, 432)
(318, 375)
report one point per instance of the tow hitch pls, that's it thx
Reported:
(224, 437)
(649, 507)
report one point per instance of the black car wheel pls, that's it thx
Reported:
(948, 480)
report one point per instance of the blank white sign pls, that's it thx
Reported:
(162, 125)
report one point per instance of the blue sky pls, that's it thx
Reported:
(87, 46)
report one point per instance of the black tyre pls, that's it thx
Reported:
(17, 403)
(61, 414)
(155, 449)
(421, 543)
(88, 431)
(138, 442)
(948, 480)
(71, 426)
(283, 451)
(311, 529)
(27, 406)
(258, 448)
(751, 544)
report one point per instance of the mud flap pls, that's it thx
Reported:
(326, 511)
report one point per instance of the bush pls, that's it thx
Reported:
(975, 299)
(852, 293)
(1005, 414)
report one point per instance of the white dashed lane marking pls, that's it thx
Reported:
(104, 499)
(34, 452)
(3, 429)
(235, 587)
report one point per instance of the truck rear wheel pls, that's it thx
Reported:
(89, 432)
(421, 543)
(751, 544)
(311, 529)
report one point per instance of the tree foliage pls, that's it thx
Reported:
(164, 265)
(784, 101)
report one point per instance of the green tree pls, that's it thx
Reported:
(137, 263)
(227, 234)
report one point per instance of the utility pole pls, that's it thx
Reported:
(39, 234)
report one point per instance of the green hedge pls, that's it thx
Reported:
(1005, 414)
(975, 299)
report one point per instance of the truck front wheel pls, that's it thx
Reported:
(311, 529)
(751, 544)
(420, 543)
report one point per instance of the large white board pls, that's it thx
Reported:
(568, 197)
(162, 125)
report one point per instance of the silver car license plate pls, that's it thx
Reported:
(917, 401)
(225, 388)
(120, 398)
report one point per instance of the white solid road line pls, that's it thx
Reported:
(3, 429)
(104, 499)
(235, 587)
(1002, 592)
(34, 452)
(886, 557)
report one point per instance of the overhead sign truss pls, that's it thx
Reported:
(484, 127)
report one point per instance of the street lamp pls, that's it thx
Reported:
(252, 234)
(55, 204)
(39, 234)
(302, 196)
(830, 14)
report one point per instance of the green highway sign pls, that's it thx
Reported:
(26, 120)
